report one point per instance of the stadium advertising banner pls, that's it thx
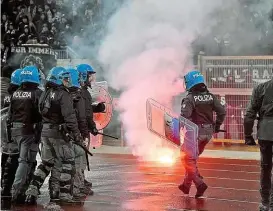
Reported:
(234, 77)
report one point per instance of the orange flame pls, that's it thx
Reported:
(166, 159)
(166, 156)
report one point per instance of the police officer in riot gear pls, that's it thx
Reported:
(13, 86)
(261, 104)
(79, 106)
(10, 150)
(87, 75)
(198, 107)
(80, 157)
(24, 116)
(57, 111)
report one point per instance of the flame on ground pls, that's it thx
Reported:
(167, 156)
(166, 159)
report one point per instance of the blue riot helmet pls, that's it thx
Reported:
(65, 77)
(84, 70)
(75, 79)
(15, 77)
(193, 78)
(30, 74)
(53, 75)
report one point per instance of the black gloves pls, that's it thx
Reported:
(216, 128)
(94, 131)
(249, 140)
(100, 107)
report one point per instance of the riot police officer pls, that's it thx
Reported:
(24, 117)
(261, 104)
(10, 150)
(80, 156)
(79, 106)
(57, 111)
(198, 107)
(86, 73)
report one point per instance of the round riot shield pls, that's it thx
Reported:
(101, 95)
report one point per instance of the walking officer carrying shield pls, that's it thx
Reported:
(198, 107)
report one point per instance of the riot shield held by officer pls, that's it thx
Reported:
(198, 106)
(24, 116)
(56, 107)
(261, 104)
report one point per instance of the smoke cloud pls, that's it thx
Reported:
(143, 47)
(144, 54)
(242, 28)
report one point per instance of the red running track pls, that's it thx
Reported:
(122, 183)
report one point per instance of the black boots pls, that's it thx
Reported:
(184, 188)
(201, 190)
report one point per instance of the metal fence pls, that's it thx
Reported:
(232, 79)
(62, 54)
(67, 53)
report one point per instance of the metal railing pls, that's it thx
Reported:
(240, 73)
(67, 53)
(232, 79)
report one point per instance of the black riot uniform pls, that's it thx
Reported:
(89, 118)
(261, 104)
(56, 107)
(6, 97)
(81, 186)
(198, 106)
(10, 153)
(79, 106)
(24, 117)
(89, 110)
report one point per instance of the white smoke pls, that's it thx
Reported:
(145, 53)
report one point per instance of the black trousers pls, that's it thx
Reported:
(266, 190)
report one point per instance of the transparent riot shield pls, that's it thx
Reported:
(179, 131)
(100, 94)
(162, 122)
(188, 137)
